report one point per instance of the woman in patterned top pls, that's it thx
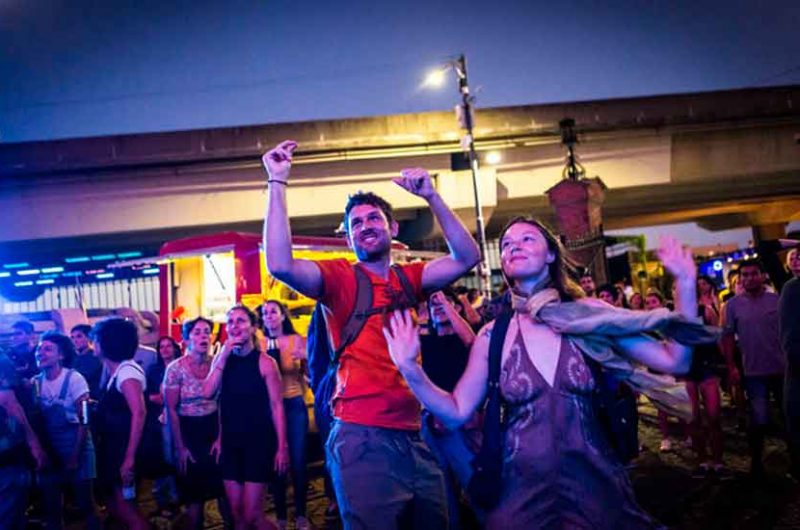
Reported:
(559, 469)
(194, 421)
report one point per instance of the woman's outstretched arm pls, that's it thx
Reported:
(453, 409)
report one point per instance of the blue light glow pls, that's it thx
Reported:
(103, 257)
(49, 270)
(23, 284)
(105, 276)
(44, 282)
(28, 272)
(124, 255)
(15, 265)
(72, 274)
(150, 271)
(717, 266)
(81, 259)
(5, 274)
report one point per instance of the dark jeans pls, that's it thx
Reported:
(385, 478)
(15, 483)
(791, 409)
(455, 458)
(758, 390)
(296, 434)
(53, 485)
(322, 417)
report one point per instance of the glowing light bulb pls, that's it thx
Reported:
(435, 78)
(493, 157)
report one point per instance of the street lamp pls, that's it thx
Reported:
(464, 114)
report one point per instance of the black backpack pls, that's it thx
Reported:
(323, 359)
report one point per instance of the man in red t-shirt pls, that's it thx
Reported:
(379, 465)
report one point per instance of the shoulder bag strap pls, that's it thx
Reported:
(492, 439)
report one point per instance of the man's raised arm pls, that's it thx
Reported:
(464, 252)
(301, 275)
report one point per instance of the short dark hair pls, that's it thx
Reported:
(64, 345)
(117, 337)
(23, 325)
(752, 263)
(189, 325)
(607, 288)
(367, 197)
(86, 329)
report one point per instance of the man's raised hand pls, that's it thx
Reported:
(278, 160)
(417, 181)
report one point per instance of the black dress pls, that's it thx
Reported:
(112, 428)
(248, 433)
(707, 360)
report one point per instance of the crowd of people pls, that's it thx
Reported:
(417, 367)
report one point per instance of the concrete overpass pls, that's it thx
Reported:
(724, 159)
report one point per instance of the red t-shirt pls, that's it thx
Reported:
(369, 388)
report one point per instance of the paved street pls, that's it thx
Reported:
(664, 486)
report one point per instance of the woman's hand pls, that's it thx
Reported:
(126, 470)
(282, 460)
(216, 449)
(299, 351)
(184, 457)
(677, 259)
(228, 347)
(38, 453)
(402, 336)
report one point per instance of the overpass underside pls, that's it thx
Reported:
(723, 159)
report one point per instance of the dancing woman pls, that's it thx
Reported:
(559, 470)
(253, 433)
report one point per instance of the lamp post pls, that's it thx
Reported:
(464, 114)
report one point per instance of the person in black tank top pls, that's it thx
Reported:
(253, 424)
(119, 419)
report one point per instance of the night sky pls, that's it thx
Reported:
(76, 68)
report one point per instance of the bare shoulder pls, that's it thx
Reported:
(486, 331)
(267, 364)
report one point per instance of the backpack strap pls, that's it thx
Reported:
(362, 309)
(359, 314)
(405, 283)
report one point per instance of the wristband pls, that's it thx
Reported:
(276, 181)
